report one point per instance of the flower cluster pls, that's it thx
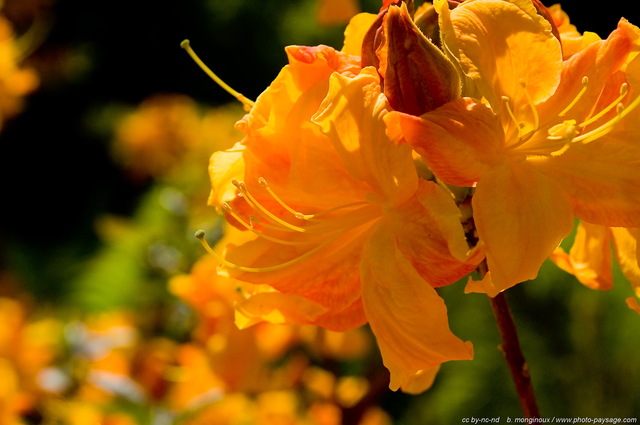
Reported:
(459, 136)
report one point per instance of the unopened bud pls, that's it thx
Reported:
(417, 76)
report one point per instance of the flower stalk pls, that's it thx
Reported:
(512, 351)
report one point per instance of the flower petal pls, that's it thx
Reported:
(460, 141)
(628, 255)
(589, 259)
(598, 62)
(503, 45)
(406, 315)
(328, 277)
(521, 216)
(601, 178)
(280, 308)
(429, 234)
(224, 166)
(352, 116)
(355, 31)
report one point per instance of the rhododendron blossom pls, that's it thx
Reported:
(345, 230)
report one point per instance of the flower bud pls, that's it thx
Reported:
(416, 75)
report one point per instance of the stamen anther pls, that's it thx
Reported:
(248, 104)
(256, 205)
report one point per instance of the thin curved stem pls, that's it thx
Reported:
(513, 354)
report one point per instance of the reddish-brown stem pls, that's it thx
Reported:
(513, 354)
(506, 325)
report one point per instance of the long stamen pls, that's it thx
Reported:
(518, 124)
(249, 226)
(585, 84)
(624, 89)
(534, 110)
(298, 214)
(605, 128)
(200, 235)
(256, 205)
(248, 104)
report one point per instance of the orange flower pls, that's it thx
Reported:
(542, 140)
(345, 231)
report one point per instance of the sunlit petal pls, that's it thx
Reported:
(521, 215)
(395, 299)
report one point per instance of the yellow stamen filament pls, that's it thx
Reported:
(248, 104)
(341, 207)
(569, 129)
(297, 214)
(534, 110)
(249, 226)
(201, 236)
(518, 124)
(259, 207)
(583, 90)
(624, 89)
(603, 129)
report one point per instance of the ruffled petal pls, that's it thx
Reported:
(501, 46)
(589, 259)
(521, 216)
(460, 141)
(406, 315)
(598, 62)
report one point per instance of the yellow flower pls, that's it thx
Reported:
(589, 259)
(345, 232)
(542, 140)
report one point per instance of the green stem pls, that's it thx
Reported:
(513, 354)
